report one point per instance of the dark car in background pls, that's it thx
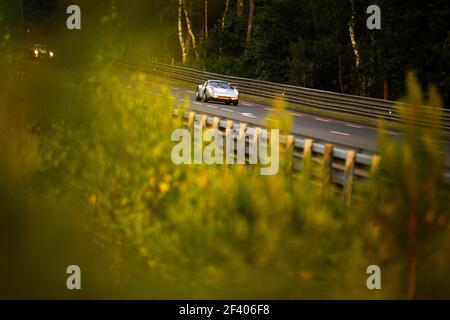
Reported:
(41, 51)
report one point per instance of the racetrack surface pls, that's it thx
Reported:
(357, 136)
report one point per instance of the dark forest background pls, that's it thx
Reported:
(300, 42)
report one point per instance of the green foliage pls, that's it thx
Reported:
(86, 178)
(410, 195)
(307, 43)
(103, 162)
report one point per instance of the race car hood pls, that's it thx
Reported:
(224, 92)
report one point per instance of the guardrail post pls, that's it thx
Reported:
(203, 121)
(375, 165)
(348, 178)
(307, 159)
(374, 186)
(179, 120)
(289, 154)
(253, 147)
(191, 121)
(242, 128)
(327, 167)
(229, 124)
(241, 144)
(229, 142)
(216, 123)
(198, 139)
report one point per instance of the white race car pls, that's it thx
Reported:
(215, 90)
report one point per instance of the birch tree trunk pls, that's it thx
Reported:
(356, 51)
(227, 6)
(190, 30)
(180, 32)
(351, 31)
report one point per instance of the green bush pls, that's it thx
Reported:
(90, 170)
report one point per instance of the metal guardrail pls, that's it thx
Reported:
(357, 107)
(24, 40)
(343, 167)
(340, 104)
(329, 165)
(347, 170)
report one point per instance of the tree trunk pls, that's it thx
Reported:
(351, 31)
(250, 20)
(355, 46)
(227, 6)
(206, 19)
(180, 32)
(190, 31)
(240, 8)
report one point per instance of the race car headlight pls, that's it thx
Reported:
(36, 52)
(236, 92)
(211, 92)
(51, 54)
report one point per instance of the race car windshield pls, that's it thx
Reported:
(220, 85)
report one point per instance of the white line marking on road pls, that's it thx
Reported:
(340, 133)
(182, 100)
(388, 132)
(268, 109)
(173, 88)
(228, 110)
(249, 115)
(197, 103)
(323, 120)
(295, 114)
(246, 104)
(191, 92)
(353, 126)
(214, 107)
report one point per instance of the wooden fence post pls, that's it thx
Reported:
(307, 159)
(253, 147)
(191, 121)
(327, 167)
(375, 165)
(289, 154)
(348, 176)
(216, 123)
(203, 121)
(242, 129)
(229, 142)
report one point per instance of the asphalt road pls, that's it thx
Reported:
(359, 137)
(351, 135)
